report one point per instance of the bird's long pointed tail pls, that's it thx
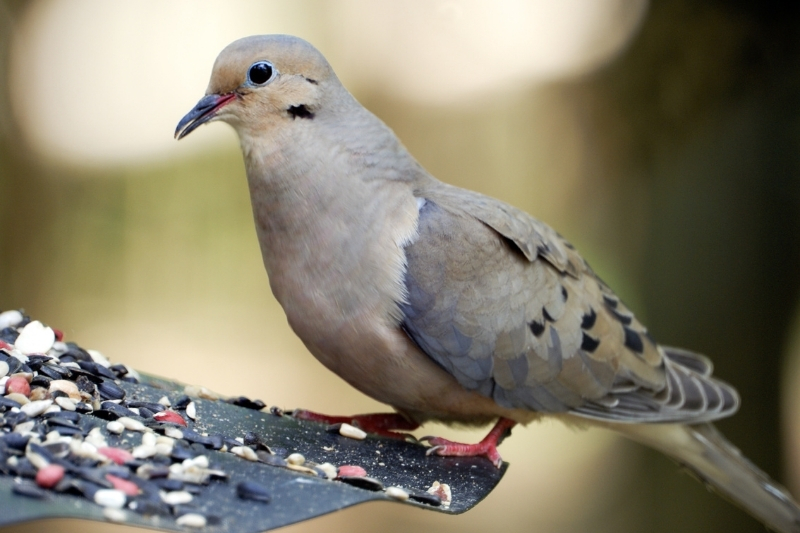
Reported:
(721, 466)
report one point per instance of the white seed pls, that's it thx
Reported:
(10, 319)
(114, 515)
(191, 520)
(67, 387)
(346, 430)
(196, 476)
(110, 498)
(164, 449)
(296, 459)
(300, 468)
(176, 497)
(17, 397)
(135, 410)
(52, 409)
(37, 460)
(55, 436)
(143, 451)
(99, 358)
(96, 438)
(35, 408)
(131, 424)
(244, 452)
(165, 401)
(67, 404)
(35, 337)
(3, 369)
(173, 432)
(3, 382)
(329, 469)
(149, 439)
(25, 427)
(115, 427)
(163, 439)
(201, 461)
(397, 493)
(191, 411)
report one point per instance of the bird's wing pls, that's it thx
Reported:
(510, 309)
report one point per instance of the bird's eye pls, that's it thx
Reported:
(260, 73)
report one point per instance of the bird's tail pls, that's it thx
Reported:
(722, 467)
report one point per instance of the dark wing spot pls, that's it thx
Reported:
(564, 293)
(537, 328)
(625, 319)
(546, 315)
(632, 340)
(610, 301)
(588, 320)
(589, 344)
(300, 111)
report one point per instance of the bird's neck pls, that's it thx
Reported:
(332, 224)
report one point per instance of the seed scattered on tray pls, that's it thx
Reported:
(443, 492)
(397, 493)
(351, 471)
(192, 520)
(250, 490)
(352, 432)
(70, 425)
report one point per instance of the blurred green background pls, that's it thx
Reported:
(661, 139)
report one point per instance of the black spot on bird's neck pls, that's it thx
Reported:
(547, 316)
(300, 111)
(564, 293)
(315, 82)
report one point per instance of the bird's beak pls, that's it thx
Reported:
(205, 110)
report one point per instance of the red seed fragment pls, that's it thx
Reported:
(128, 487)
(170, 416)
(352, 471)
(18, 384)
(48, 476)
(59, 334)
(5, 346)
(118, 455)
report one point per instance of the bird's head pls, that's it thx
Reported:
(261, 81)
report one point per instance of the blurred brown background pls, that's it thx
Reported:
(661, 139)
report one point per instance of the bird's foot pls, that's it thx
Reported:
(376, 423)
(487, 447)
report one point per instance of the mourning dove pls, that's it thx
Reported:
(444, 303)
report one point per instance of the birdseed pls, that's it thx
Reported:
(67, 426)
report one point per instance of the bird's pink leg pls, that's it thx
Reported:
(377, 423)
(487, 447)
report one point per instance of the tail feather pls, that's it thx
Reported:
(721, 466)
